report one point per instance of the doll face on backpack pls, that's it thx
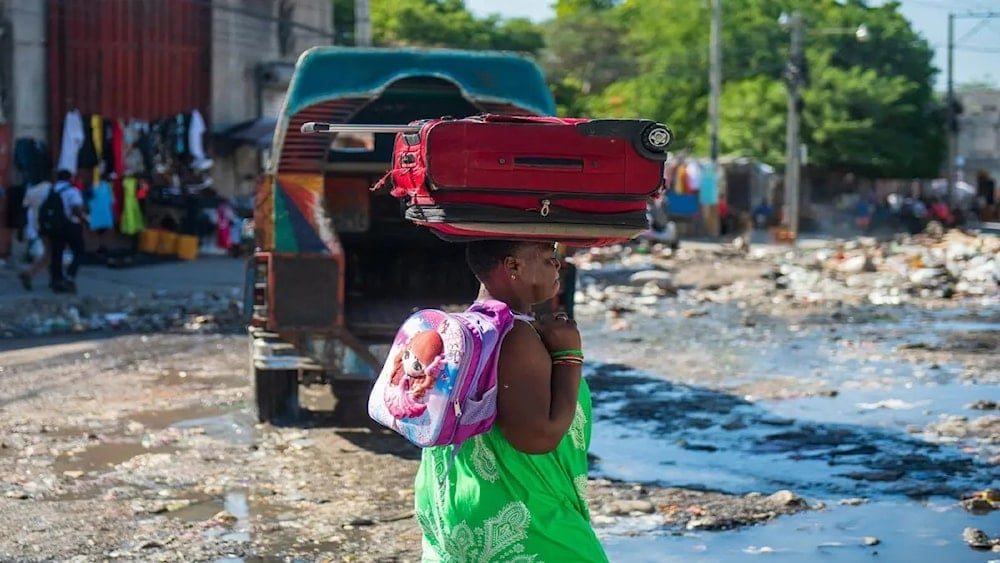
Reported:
(419, 363)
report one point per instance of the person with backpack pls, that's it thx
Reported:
(61, 218)
(518, 490)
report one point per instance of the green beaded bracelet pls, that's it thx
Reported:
(567, 353)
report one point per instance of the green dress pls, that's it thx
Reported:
(498, 504)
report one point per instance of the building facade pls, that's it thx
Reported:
(150, 59)
(979, 134)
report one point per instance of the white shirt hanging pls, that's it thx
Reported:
(72, 141)
(195, 133)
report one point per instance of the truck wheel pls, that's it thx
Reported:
(277, 394)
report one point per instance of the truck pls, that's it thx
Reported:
(336, 268)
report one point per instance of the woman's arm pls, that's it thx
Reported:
(536, 399)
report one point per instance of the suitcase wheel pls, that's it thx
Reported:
(656, 137)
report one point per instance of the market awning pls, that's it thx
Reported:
(255, 132)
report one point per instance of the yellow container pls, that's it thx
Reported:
(149, 239)
(167, 243)
(187, 247)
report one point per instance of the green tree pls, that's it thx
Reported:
(752, 118)
(569, 7)
(869, 107)
(447, 23)
(587, 48)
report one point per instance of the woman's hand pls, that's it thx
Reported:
(558, 332)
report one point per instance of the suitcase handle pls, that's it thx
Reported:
(558, 163)
(321, 127)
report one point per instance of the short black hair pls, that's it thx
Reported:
(64, 175)
(484, 256)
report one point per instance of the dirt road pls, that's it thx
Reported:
(143, 447)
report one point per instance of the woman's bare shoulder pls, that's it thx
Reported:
(521, 345)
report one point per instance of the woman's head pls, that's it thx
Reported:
(521, 273)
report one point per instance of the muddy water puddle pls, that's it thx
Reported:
(232, 511)
(104, 456)
(829, 412)
(906, 531)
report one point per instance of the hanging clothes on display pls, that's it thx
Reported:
(32, 160)
(117, 147)
(97, 133)
(135, 161)
(223, 226)
(196, 130)
(88, 158)
(131, 219)
(72, 141)
(146, 145)
(107, 139)
(100, 206)
(180, 134)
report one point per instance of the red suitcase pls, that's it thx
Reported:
(578, 181)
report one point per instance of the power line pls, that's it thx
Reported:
(979, 25)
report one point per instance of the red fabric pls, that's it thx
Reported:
(723, 208)
(117, 146)
(222, 239)
(941, 212)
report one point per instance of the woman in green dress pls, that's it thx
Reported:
(518, 493)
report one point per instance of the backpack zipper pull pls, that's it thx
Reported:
(545, 207)
(458, 409)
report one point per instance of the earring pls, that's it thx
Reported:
(513, 276)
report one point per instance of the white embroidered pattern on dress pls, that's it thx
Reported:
(500, 539)
(484, 462)
(580, 484)
(577, 430)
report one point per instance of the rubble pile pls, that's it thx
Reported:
(160, 311)
(862, 271)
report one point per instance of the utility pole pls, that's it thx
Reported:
(715, 78)
(710, 206)
(362, 23)
(794, 78)
(952, 118)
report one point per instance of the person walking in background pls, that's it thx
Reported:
(63, 234)
(39, 247)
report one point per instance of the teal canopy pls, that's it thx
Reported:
(326, 73)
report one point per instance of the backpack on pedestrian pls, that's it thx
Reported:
(439, 383)
(52, 219)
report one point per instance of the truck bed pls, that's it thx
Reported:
(378, 320)
(396, 268)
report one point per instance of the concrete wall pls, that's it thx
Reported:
(28, 96)
(979, 133)
(239, 43)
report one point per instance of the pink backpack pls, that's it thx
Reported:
(439, 383)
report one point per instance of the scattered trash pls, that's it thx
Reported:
(163, 311)
(861, 271)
